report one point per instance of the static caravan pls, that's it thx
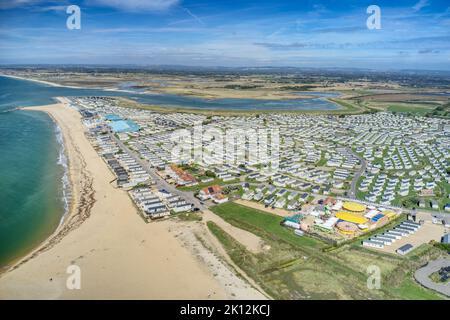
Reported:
(385, 240)
(404, 249)
(373, 244)
(403, 232)
(394, 233)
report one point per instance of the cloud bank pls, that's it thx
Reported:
(136, 5)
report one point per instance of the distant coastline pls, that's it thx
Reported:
(38, 81)
(186, 103)
(54, 84)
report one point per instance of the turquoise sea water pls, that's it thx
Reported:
(30, 179)
(31, 174)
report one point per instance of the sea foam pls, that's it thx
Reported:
(62, 161)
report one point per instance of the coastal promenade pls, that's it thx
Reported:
(119, 256)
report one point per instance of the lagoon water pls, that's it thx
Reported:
(31, 173)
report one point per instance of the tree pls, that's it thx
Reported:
(210, 174)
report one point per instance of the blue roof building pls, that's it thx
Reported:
(377, 217)
(112, 117)
(124, 126)
(446, 239)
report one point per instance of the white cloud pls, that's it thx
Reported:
(193, 16)
(421, 4)
(9, 4)
(51, 8)
(136, 5)
(125, 5)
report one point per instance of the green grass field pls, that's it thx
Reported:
(201, 185)
(409, 290)
(410, 108)
(297, 267)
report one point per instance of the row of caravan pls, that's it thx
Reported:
(387, 238)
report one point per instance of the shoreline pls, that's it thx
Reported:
(65, 179)
(69, 208)
(54, 84)
(119, 256)
(341, 109)
(57, 234)
(39, 81)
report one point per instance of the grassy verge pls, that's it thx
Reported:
(410, 290)
(188, 216)
(349, 107)
(201, 185)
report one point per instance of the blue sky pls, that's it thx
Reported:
(414, 34)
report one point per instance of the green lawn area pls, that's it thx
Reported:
(413, 108)
(410, 290)
(424, 109)
(349, 106)
(322, 161)
(445, 189)
(360, 194)
(297, 268)
(200, 186)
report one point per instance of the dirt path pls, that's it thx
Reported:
(252, 242)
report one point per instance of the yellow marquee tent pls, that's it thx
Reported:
(350, 217)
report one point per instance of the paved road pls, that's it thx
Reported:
(189, 195)
(160, 182)
(352, 192)
(422, 276)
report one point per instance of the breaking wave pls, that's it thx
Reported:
(62, 161)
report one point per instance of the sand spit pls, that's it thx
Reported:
(120, 256)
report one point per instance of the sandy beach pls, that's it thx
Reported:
(120, 256)
(54, 84)
(38, 81)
